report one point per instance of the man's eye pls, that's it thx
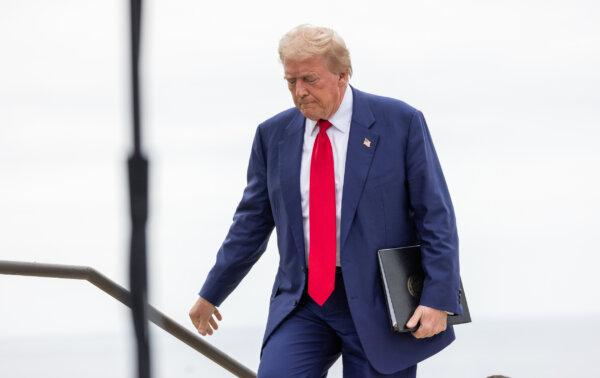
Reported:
(291, 81)
(311, 80)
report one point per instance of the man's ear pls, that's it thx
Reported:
(343, 79)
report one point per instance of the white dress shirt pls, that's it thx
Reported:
(338, 136)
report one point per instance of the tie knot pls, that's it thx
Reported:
(323, 125)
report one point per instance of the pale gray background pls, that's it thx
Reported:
(510, 91)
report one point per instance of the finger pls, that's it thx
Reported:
(419, 332)
(218, 314)
(424, 331)
(436, 330)
(195, 322)
(207, 330)
(414, 318)
(193, 318)
(427, 332)
(213, 323)
(203, 327)
(441, 327)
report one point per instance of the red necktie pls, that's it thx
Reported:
(322, 240)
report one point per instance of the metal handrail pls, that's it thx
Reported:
(122, 295)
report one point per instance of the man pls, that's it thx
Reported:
(341, 175)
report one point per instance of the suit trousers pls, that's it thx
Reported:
(311, 338)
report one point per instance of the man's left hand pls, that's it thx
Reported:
(433, 321)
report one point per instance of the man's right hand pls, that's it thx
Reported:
(202, 316)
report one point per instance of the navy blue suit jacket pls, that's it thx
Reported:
(394, 195)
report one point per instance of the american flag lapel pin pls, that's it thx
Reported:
(367, 142)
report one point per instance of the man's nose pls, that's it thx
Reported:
(300, 89)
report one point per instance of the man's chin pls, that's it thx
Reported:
(310, 115)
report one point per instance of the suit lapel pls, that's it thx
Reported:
(362, 143)
(290, 157)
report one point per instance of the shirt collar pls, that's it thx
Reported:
(341, 118)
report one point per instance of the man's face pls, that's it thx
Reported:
(316, 91)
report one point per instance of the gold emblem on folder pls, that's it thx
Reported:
(415, 285)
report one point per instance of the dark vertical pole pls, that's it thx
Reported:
(138, 196)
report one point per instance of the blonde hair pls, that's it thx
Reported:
(305, 41)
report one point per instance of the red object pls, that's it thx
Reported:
(321, 257)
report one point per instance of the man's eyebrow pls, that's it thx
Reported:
(287, 77)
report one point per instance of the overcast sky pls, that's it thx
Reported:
(510, 91)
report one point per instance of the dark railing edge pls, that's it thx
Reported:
(122, 295)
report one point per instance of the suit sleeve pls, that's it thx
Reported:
(434, 220)
(248, 234)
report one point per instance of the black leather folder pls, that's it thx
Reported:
(402, 277)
